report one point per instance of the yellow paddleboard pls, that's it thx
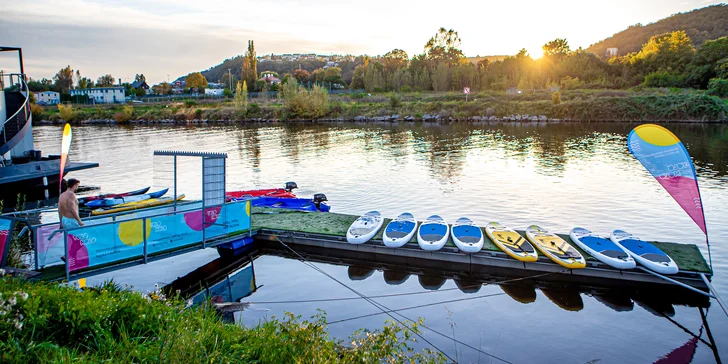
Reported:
(554, 247)
(511, 242)
(136, 205)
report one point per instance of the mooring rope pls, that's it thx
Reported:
(375, 304)
(388, 311)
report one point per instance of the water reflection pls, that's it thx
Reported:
(431, 282)
(468, 285)
(615, 300)
(359, 273)
(520, 292)
(567, 298)
(394, 277)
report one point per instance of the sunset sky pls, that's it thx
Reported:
(175, 37)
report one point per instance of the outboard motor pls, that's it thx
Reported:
(318, 199)
(290, 186)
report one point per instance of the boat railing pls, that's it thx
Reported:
(12, 125)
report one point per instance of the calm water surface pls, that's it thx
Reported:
(556, 175)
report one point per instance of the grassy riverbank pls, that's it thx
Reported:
(45, 322)
(579, 105)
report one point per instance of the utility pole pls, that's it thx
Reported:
(231, 78)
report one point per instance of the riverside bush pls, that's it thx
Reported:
(47, 322)
(66, 112)
(125, 115)
(718, 87)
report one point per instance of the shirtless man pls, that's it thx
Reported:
(68, 206)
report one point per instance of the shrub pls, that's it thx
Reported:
(125, 115)
(394, 101)
(571, 83)
(556, 98)
(46, 322)
(37, 111)
(190, 103)
(241, 97)
(66, 112)
(663, 79)
(357, 95)
(311, 104)
(718, 87)
(406, 88)
(254, 109)
(227, 93)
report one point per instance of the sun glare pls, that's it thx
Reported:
(535, 53)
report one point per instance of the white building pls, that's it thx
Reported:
(102, 95)
(612, 52)
(47, 98)
(214, 91)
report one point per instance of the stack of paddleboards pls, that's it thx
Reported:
(82, 201)
(138, 204)
(113, 201)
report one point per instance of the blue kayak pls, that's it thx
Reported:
(299, 204)
(109, 202)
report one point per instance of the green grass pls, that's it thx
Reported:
(687, 256)
(45, 322)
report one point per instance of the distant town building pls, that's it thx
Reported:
(612, 52)
(214, 91)
(216, 85)
(268, 77)
(47, 98)
(102, 95)
(331, 64)
(137, 84)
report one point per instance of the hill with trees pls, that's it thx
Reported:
(700, 25)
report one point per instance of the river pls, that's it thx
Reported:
(558, 175)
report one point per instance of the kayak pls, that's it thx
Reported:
(300, 204)
(109, 202)
(85, 199)
(285, 192)
(137, 205)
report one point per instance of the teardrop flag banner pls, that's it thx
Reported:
(65, 148)
(666, 158)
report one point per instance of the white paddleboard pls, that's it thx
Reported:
(645, 253)
(466, 235)
(602, 249)
(400, 230)
(433, 233)
(364, 228)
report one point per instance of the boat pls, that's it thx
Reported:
(511, 242)
(364, 228)
(433, 233)
(315, 204)
(602, 249)
(137, 205)
(85, 199)
(554, 247)
(466, 235)
(285, 192)
(400, 230)
(110, 202)
(645, 253)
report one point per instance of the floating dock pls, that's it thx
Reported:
(322, 237)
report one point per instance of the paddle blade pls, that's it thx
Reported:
(666, 158)
(65, 148)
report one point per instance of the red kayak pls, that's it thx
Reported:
(270, 192)
(84, 200)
